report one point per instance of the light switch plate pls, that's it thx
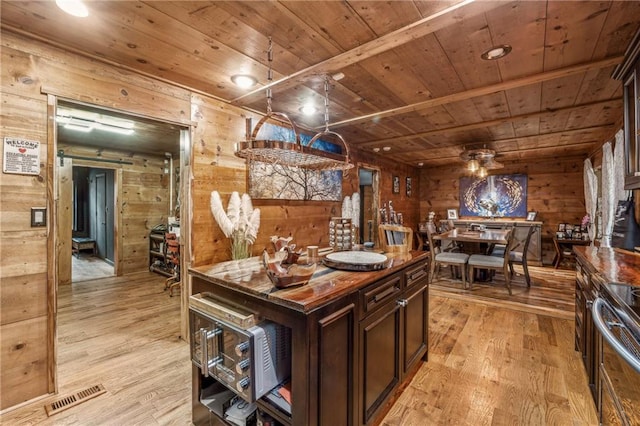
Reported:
(38, 217)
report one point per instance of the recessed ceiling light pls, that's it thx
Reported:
(376, 149)
(420, 164)
(496, 52)
(73, 7)
(386, 148)
(244, 81)
(308, 109)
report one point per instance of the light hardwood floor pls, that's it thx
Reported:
(86, 267)
(487, 364)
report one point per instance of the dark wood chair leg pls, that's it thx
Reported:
(526, 273)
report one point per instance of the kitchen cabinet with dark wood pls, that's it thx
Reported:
(587, 287)
(357, 337)
(629, 73)
(596, 267)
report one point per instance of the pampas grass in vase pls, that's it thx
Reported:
(240, 222)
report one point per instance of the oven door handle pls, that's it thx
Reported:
(603, 327)
(204, 352)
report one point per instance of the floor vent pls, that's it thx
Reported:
(69, 401)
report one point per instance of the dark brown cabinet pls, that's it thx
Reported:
(629, 73)
(380, 348)
(587, 287)
(393, 337)
(352, 352)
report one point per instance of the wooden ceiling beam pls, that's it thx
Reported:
(406, 34)
(482, 91)
(482, 124)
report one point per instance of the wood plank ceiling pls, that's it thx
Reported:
(414, 80)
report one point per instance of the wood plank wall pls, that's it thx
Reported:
(555, 191)
(27, 317)
(27, 323)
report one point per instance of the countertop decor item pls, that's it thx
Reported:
(283, 276)
(356, 261)
(240, 222)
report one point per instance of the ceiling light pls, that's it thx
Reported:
(338, 76)
(308, 109)
(114, 129)
(73, 7)
(376, 149)
(244, 81)
(473, 165)
(78, 127)
(496, 52)
(122, 127)
(482, 172)
(386, 148)
(420, 164)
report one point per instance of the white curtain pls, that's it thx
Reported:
(591, 196)
(613, 171)
(608, 194)
(619, 168)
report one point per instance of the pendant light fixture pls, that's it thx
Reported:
(480, 161)
(289, 152)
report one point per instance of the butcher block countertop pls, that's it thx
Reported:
(326, 285)
(613, 264)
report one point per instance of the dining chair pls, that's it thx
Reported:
(517, 257)
(446, 258)
(493, 263)
(395, 238)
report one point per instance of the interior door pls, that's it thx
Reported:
(100, 186)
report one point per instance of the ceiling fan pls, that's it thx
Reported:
(480, 157)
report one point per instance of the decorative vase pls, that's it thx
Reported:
(240, 248)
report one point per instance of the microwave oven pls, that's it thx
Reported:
(249, 360)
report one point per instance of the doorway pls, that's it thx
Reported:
(368, 178)
(93, 221)
(138, 168)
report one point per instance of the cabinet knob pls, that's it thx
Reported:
(243, 384)
(242, 348)
(242, 366)
(402, 302)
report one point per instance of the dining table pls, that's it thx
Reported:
(482, 242)
(487, 236)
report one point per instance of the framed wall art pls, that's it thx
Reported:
(396, 184)
(408, 187)
(452, 214)
(494, 196)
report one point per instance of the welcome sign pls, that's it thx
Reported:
(21, 156)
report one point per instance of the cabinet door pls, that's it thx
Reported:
(415, 318)
(336, 351)
(380, 359)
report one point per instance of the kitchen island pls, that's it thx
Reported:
(357, 337)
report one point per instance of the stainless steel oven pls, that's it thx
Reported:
(230, 345)
(616, 315)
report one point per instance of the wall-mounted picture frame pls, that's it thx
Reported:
(408, 182)
(396, 184)
(531, 216)
(560, 235)
(561, 227)
(452, 214)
